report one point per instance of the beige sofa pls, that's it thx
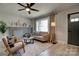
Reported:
(42, 36)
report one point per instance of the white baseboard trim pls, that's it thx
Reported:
(62, 42)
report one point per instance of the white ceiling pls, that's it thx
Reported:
(44, 9)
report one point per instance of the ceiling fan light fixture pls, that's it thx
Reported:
(27, 9)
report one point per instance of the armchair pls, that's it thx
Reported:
(17, 46)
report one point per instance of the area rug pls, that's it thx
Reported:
(35, 49)
(30, 49)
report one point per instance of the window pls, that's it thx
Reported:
(42, 25)
(74, 20)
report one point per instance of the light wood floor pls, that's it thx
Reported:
(47, 49)
(61, 50)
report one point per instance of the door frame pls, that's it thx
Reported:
(68, 16)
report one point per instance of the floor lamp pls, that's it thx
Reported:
(53, 36)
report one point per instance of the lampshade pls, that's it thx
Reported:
(53, 24)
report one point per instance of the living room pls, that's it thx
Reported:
(39, 30)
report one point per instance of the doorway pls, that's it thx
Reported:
(73, 28)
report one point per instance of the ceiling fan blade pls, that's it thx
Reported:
(21, 9)
(27, 4)
(21, 4)
(29, 12)
(34, 9)
(31, 4)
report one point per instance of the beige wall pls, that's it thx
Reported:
(62, 24)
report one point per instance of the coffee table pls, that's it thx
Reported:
(29, 40)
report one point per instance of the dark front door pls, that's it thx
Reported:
(73, 30)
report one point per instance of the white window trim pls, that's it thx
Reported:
(43, 19)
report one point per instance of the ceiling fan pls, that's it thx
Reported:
(27, 7)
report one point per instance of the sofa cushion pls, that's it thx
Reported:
(43, 33)
(36, 33)
(38, 37)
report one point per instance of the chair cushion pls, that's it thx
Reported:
(18, 44)
(10, 39)
(16, 47)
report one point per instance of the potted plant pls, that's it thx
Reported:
(3, 28)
